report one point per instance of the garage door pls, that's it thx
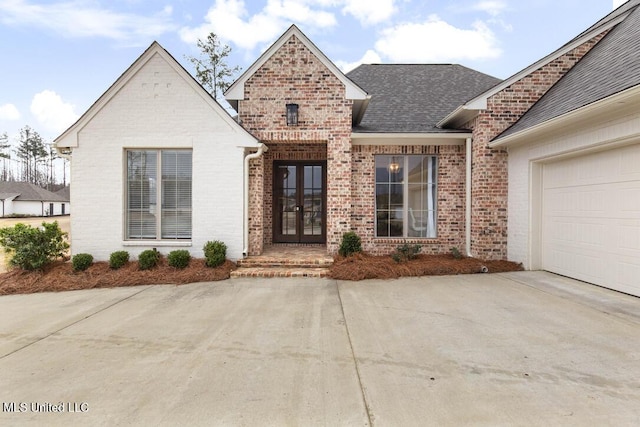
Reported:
(591, 218)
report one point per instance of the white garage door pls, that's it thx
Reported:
(591, 218)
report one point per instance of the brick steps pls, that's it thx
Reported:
(286, 262)
(280, 272)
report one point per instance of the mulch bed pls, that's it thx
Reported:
(59, 276)
(363, 266)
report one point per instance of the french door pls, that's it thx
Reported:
(299, 202)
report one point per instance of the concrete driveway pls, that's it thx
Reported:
(526, 348)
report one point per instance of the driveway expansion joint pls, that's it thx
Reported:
(353, 356)
(74, 323)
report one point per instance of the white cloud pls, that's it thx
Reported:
(230, 21)
(370, 57)
(81, 18)
(9, 112)
(370, 12)
(52, 112)
(437, 41)
(492, 7)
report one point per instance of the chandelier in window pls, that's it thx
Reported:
(394, 165)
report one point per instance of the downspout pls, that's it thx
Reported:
(468, 199)
(261, 149)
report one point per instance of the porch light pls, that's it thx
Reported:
(292, 114)
(394, 166)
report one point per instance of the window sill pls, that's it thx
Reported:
(387, 240)
(156, 243)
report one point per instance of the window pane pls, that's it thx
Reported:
(406, 190)
(141, 195)
(176, 194)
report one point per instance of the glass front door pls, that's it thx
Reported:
(299, 202)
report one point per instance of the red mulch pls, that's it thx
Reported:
(59, 276)
(363, 266)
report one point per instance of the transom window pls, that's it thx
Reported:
(406, 196)
(158, 194)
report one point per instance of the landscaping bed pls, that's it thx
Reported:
(362, 266)
(59, 275)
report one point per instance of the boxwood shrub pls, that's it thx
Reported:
(215, 253)
(118, 259)
(350, 244)
(80, 262)
(148, 259)
(179, 258)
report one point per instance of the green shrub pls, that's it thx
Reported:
(215, 253)
(456, 253)
(350, 244)
(32, 248)
(81, 262)
(118, 258)
(406, 252)
(179, 258)
(148, 259)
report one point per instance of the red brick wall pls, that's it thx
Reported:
(294, 75)
(450, 198)
(489, 167)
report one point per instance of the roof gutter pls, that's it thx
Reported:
(468, 198)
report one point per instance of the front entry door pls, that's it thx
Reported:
(299, 193)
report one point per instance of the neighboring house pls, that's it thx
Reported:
(437, 155)
(23, 198)
(65, 193)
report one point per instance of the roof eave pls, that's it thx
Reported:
(69, 138)
(409, 138)
(236, 90)
(480, 101)
(601, 109)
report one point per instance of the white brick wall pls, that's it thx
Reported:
(159, 107)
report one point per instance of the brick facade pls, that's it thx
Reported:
(489, 167)
(293, 74)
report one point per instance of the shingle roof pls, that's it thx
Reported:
(29, 192)
(612, 66)
(65, 193)
(413, 98)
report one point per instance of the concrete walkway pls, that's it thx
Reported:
(526, 348)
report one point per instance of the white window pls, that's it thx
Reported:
(158, 195)
(406, 196)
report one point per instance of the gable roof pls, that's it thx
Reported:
(466, 112)
(69, 138)
(27, 192)
(612, 66)
(413, 98)
(64, 192)
(235, 92)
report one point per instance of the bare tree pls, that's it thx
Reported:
(212, 70)
(5, 174)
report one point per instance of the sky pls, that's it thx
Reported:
(58, 57)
